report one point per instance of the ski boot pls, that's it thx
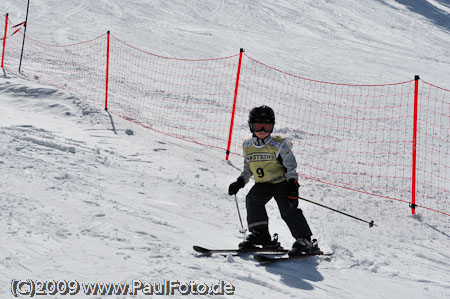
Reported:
(274, 244)
(261, 238)
(303, 246)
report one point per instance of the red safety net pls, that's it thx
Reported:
(78, 68)
(187, 99)
(358, 137)
(433, 148)
(353, 136)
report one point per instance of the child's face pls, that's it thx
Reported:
(262, 134)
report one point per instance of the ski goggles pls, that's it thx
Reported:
(266, 127)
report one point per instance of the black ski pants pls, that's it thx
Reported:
(257, 218)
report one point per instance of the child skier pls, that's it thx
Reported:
(271, 162)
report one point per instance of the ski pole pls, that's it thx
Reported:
(242, 230)
(24, 35)
(370, 223)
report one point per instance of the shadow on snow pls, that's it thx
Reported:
(437, 16)
(296, 273)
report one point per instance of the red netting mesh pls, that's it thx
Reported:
(188, 99)
(353, 136)
(357, 137)
(77, 68)
(433, 148)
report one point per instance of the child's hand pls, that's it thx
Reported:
(236, 186)
(292, 189)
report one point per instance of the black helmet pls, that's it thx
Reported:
(261, 114)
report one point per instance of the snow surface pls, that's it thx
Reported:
(88, 196)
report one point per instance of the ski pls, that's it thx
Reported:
(263, 258)
(207, 251)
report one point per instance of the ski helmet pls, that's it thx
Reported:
(261, 114)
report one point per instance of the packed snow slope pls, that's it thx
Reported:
(349, 41)
(87, 196)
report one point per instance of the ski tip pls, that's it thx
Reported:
(201, 249)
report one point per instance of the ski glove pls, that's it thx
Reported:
(292, 189)
(236, 186)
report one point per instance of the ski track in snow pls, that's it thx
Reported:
(81, 199)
